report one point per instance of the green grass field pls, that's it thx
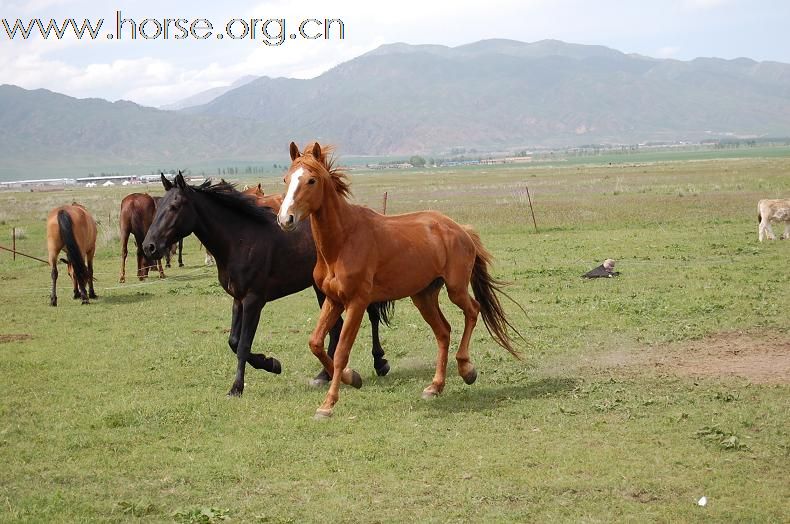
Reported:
(636, 395)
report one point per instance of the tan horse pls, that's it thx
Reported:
(366, 257)
(72, 228)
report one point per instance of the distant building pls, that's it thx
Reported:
(39, 182)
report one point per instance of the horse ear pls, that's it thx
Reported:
(294, 152)
(317, 151)
(165, 182)
(180, 182)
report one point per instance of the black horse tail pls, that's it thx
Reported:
(383, 311)
(78, 268)
(486, 288)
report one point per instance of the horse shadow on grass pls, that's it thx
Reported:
(479, 397)
(126, 298)
(458, 398)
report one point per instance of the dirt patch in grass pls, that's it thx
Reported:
(14, 337)
(759, 357)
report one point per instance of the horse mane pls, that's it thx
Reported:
(226, 194)
(327, 162)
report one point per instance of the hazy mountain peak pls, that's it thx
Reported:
(204, 97)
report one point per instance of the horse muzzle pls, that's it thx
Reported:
(151, 251)
(287, 222)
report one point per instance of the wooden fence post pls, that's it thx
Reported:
(532, 210)
(385, 204)
(13, 241)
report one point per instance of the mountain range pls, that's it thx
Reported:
(403, 99)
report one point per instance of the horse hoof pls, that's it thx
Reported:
(470, 377)
(322, 414)
(429, 394)
(85, 302)
(383, 369)
(235, 393)
(53, 302)
(352, 378)
(318, 382)
(276, 368)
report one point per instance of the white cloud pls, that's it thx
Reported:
(704, 4)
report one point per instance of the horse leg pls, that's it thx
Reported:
(142, 270)
(83, 292)
(167, 258)
(459, 295)
(250, 315)
(159, 266)
(180, 251)
(767, 230)
(235, 325)
(124, 252)
(786, 234)
(327, 319)
(53, 297)
(380, 363)
(340, 372)
(76, 284)
(91, 292)
(256, 360)
(323, 377)
(427, 303)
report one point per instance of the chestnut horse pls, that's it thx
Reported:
(272, 201)
(137, 213)
(256, 262)
(366, 257)
(73, 228)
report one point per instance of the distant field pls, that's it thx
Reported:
(637, 395)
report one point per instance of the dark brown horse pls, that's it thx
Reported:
(178, 247)
(365, 257)
(256, 262)
(137, 213)
(72, 228)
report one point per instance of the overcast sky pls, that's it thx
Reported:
(157, 71)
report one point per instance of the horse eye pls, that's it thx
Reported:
(311, 182)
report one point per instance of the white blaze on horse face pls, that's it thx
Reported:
(285, 209)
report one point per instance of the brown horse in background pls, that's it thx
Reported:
(73, 228)
(365, 257)
(272, 201)
(137, 213)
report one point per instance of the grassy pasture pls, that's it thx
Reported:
(117, 411)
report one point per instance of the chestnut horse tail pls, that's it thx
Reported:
(73, 251)
(486, 290)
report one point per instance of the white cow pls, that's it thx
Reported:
(768, 210)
